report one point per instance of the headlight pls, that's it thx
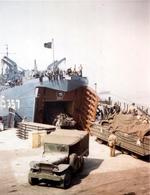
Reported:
(34, 165)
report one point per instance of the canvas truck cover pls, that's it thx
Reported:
(70, 132)
(129, 124)
(66, 137)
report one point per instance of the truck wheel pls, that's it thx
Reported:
(33, 181)
(81, 164)
(73, 161)
(67, 180)
(100, 141)
(124, 152)
(136, 156)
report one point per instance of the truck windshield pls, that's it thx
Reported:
(55, 148)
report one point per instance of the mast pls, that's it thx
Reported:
(53, 52)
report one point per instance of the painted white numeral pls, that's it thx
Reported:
(18, 104)
(2, 102)
(13, 105)
(7, 103)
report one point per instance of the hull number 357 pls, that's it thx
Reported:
(9, 103)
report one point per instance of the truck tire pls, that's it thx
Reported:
(136, 156)
(33, 181)
(73, 161)
(67, 180)
(81, 164)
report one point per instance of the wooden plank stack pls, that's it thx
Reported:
(24, 128)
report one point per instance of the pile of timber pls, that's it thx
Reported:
(24, 128)
(130, 142)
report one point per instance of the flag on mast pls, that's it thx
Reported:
(48, 45)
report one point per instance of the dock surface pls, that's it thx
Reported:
(102, 174)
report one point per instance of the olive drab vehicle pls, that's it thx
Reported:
(63, 156)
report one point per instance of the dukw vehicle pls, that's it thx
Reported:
(133, 134)
(63, 156)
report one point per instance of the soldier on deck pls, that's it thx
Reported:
(112, 140)
(41, 78)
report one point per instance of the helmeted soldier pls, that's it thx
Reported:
(133, 109)
(112, 140)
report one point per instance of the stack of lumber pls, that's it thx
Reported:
(24, 128)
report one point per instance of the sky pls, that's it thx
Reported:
(110, 38)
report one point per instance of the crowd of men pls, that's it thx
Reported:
(105, 111)
(59, 74)
(52, 74)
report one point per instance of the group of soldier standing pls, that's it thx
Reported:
(104, 111)
(59, 74)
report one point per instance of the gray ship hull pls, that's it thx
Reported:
(22, 97)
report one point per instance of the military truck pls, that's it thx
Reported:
(63, 156)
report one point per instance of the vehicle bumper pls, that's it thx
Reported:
(47, 176)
